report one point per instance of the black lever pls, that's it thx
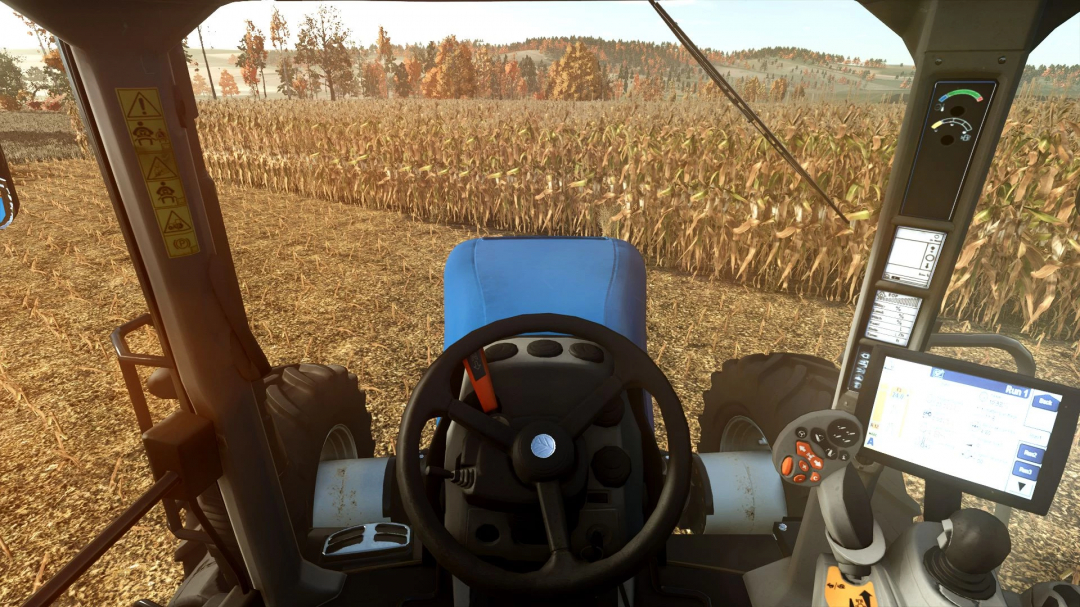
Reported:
(973, 545)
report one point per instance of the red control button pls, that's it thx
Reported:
(799, 478)
(805, 467)
(814, 477)
(803, 448)
(785, 467)
(816, 462)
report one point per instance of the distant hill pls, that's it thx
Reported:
(819, 76)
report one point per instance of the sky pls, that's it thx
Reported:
(834, 26)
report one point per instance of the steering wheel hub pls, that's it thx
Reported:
(542, 451)
(542, 446)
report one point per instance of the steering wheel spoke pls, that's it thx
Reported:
(554, 513)
(491, 429)
(581, 417)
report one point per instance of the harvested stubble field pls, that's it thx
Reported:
(335, 283)
(31, 136)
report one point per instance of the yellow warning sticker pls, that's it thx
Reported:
(158, 166)
(166, 193)
(140, 103)
(839, 592)
(150, 137)
(175, 220)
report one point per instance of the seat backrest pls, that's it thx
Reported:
(598, 279)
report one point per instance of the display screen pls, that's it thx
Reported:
(893, 317)
(988, 432)
(914, 257)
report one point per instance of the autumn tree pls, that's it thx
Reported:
(577, 76)
(54, 71)
(279, 39)
(373, 79)
(321, 42)
(778, 89)
(752, 90)
(427, 56)
(252, 59)
(513, 85)
(416, 73)
(199, 85)
(487, 85)
(454, 76)
(227, 84)
(649, 88)
(402, 80)
(385, 53)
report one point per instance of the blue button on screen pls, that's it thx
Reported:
(1045, 401)
(1026, 470)
(1030, 454)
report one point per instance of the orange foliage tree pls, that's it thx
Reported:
(228, 84)
(252, 59)
(454, 75)
(199, 84)
(416, 73)
(577, 76)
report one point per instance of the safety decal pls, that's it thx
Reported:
(839, 592)
(150, 139)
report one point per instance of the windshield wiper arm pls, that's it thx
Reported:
(742, 106)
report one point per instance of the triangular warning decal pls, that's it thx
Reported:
(142, 107)
(175, 224)
(159, 170)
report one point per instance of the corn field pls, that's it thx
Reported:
(691, 185)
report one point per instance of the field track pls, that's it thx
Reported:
(323, 282)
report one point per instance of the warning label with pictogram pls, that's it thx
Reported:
(149, 135)
(140, 103)
(156, 167)
(841, 592)
(176, 220)
(167, 193)
(150, 138)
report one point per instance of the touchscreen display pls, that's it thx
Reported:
(985, 431)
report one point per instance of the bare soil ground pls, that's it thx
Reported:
(325, 283)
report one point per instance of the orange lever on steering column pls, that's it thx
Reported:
(476, 366)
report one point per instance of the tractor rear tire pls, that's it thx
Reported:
(753, 398)
(313, 413)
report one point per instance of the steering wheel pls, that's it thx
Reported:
(542, 453)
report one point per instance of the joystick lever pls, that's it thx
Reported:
(972, 545)
(856, 540)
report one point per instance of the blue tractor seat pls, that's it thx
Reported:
(598, 279)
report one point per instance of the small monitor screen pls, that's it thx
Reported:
(992, 431)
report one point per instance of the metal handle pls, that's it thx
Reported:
(1025, 362)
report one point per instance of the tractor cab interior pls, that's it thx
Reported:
(544, 457)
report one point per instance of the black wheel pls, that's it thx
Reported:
(753, 398)
(313, 413)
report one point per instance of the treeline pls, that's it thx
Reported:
(326, 60)
(19, 88)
